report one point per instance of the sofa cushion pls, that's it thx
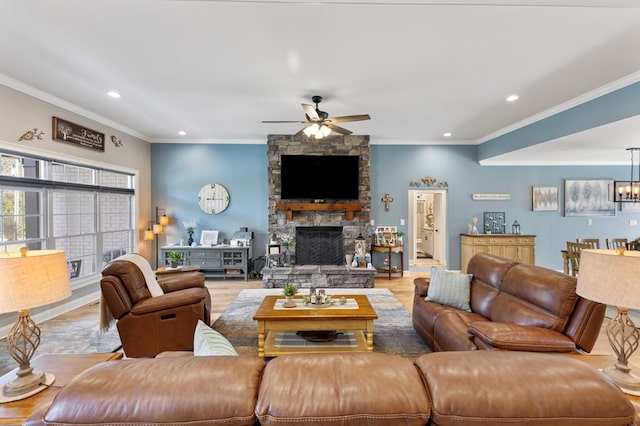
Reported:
(162, 391)
(535, 296)
(449, 288)
(207, 341)
(355, 389)
(513, 337)
(507, 388)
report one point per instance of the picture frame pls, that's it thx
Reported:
(209, 238)
(495, 222)
(545, 198)
(588, 197)
(274, 249)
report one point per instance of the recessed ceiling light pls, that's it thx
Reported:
(447, 135)
(182, 133)
(512, 98)
(113, 94)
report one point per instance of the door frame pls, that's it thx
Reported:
(440, 226)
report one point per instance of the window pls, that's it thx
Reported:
(83, 210)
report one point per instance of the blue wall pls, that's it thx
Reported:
(178, 172)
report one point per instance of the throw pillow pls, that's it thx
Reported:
(207, 341)
(449, 288)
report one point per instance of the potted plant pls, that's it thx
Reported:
(399, 236)
(289, 290)
(175, 257)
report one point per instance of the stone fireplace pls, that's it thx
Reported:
(352, 225)
(319, 245)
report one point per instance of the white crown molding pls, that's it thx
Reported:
(46, 97)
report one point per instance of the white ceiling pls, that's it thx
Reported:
(216, 69)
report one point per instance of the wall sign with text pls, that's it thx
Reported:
(66, 131)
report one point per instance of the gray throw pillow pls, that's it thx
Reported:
(449, 288)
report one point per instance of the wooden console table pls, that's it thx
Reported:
(64, 367)
(389, 250)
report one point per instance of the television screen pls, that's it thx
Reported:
(319, 177)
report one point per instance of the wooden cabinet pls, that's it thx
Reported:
(517, 247)
(214, 261)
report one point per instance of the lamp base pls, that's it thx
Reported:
(47, 381)
(23, 383)
(627, 381)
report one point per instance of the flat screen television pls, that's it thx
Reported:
(319, 177)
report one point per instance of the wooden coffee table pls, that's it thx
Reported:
(272, 320)
(64, 367)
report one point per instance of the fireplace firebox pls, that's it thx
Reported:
(319, 245)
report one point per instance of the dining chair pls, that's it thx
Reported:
(614, 243)
(593, 243)
(574, 250)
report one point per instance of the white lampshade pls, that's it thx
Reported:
(37, 278)
(610, 278)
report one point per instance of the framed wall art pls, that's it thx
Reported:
(588, 198)
(545, 198)
(209, 238)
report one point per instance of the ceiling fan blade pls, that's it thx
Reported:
(283, 121)
(345, 118)
(338, 129)
(311, 112)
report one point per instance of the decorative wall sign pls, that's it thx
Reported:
(589, 198)
(490, 197)
(30, 135)
(545, 198)
(66, 131)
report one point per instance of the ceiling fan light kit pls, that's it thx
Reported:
(319, 124)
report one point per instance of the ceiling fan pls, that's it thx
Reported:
(319, 124)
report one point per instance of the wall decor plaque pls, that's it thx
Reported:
(65, 131)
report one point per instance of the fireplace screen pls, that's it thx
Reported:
(319, 245)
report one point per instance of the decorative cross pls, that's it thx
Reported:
(386, 200)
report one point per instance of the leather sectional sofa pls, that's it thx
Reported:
(333, 389)
(514, 306)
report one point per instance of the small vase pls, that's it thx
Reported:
(287, 257)
(190, 240)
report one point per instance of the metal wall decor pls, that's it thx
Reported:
(429, 181)
(386, 200)
(30, 135)
(494, 223)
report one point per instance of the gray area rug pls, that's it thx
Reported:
(66, 335)
(393, 331)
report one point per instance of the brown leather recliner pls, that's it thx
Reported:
(149, 325)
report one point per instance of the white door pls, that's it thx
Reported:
(439, 197)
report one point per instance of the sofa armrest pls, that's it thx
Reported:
(422, 285)
(514, 337)
(180, 281)
(176, 299)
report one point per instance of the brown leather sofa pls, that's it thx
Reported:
(514, 306)
(332, 389)
(150, 325)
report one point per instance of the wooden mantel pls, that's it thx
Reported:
(347, 208)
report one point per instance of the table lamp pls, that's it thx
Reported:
(610, 277)
(29, 279)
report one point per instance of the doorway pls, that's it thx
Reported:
(427, 229)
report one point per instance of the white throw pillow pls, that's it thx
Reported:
(207, 341)
(449, 288)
